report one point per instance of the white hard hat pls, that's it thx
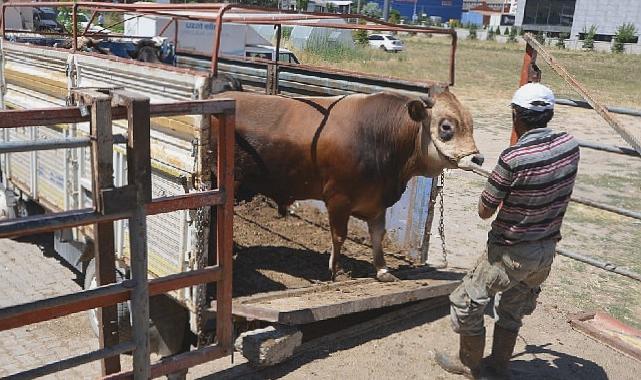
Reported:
(535, 97)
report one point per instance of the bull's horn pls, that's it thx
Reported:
(428, 101)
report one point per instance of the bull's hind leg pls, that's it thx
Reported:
(376, 228)
(338, 208)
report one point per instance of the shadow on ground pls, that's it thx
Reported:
(550, 364)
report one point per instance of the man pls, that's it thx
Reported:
(531, 186)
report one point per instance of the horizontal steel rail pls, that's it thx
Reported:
(50, 144)
(58, 115)
(38, 311)
(48, 369)
(598, 205)
(11, 228)
(609, 148)
(583, 104)
(600, 264)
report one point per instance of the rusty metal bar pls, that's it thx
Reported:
(609, 148)
(74, 27)
(38, 311)
(51, 144)
(75, 361)
(629, 137)
(427, 234)
(600, 264)
(584, 104)
(93, 17)
(177, 362)
(186, 201)
(59, 115)
(105, 255)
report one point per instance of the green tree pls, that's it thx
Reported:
(506, 31)
(301, 5)
(394, 16)
(539, 36)
(360, 36)
(372, 10)
(626, 33)
(512, 37)
(588, 37)
(472, 35)
(560, 42)
(491, 34)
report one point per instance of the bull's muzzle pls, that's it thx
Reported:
(470, 161)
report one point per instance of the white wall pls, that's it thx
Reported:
(606, 15)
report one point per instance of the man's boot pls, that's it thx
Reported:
(468, 361)
(502, 348)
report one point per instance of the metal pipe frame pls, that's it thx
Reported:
(138, 289)
(279, 16)
(51, 144)
(583, 104)
(609, 148)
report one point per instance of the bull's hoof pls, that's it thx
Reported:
(383, 275)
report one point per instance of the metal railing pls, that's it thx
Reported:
(134, 202)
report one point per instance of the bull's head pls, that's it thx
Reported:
(446, 139)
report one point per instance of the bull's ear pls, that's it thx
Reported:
(417, 111)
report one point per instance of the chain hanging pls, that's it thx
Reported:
(441, 222)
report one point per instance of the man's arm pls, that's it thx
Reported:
(496, 189)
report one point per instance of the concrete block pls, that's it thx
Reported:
(269, 346)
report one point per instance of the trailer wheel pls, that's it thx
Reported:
(148, 54)
(124, 323)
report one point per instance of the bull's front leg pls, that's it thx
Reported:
(339, 210)
(376, 228)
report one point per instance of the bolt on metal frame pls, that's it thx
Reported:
(134, 202)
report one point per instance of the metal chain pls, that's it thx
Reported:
(441, 223)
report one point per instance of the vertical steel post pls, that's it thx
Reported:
(224, 226)
(529, 73)
(102, 162)
(139, 174)
(3, 86)
(74, 27)
(425, 246)
(453, 58)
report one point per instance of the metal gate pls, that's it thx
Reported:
(134, 202)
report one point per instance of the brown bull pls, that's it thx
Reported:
(356, 153)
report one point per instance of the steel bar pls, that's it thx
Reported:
(600, 264)
(609, 148)
(178, 362)
(629, 137)
(105, 251)
(42, 310)
(186, 202)
(58, 115)
(51, 144)
(598, 205)
(91, 20)
(75, 361)
(528, 68)
(584, 104)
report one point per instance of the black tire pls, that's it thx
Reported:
(124, 322)
(382, 47)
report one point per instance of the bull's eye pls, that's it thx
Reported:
(445, 131)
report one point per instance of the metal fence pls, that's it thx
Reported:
(133, 202)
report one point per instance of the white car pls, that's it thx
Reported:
(385, 42)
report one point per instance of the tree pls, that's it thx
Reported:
(372, 10)
(506, 31)
(560, 42)
(588, 37)
(394, 16)
(512, 36)
(472, 35)
(491, 34)
(539, 36)
(301, 5)
(626, 33)
(360, 35)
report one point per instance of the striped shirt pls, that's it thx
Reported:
(534, 180)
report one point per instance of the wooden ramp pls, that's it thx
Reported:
(331, 300)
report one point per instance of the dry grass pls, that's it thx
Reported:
(484, 65)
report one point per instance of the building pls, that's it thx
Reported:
(574, 16)
(495, 5)
(444, 9)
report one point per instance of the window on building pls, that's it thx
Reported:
(549, 12)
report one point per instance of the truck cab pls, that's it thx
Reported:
(268, 52)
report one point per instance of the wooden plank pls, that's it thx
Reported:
(105, 251)
(609, 331)
(313, 304)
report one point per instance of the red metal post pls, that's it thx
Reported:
(93, 16)
(529, 73)
(224, 225)
(74, 27)
(216, 46)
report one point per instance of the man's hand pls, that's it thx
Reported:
(484, 211)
